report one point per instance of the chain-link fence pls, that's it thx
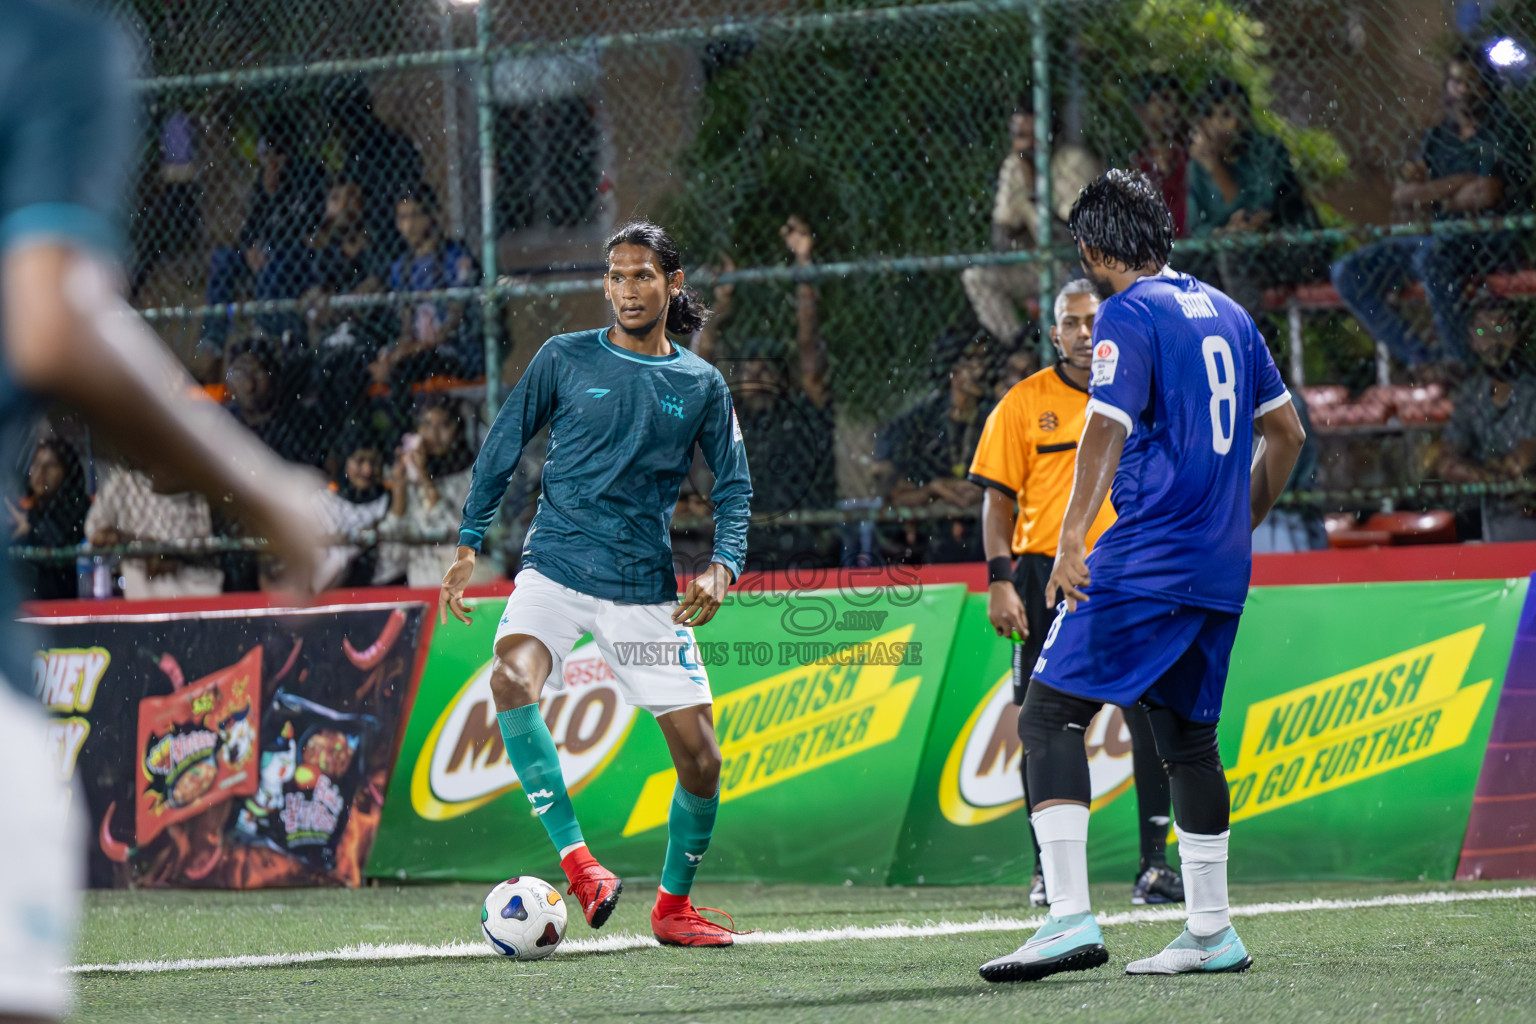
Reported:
(345, 214)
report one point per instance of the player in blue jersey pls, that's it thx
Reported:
(625, 408)
(1181, 384)
(67, 132)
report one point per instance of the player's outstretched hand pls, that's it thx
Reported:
(1006, 611)
(702, 598)
(451, 597)
(1068, 576)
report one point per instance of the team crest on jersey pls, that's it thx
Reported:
(1048, 421)
(1106, 357)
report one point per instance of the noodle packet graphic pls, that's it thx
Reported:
(197, 746)
(310, 768)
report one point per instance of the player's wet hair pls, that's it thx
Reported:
(685, 313)
(1123, 216)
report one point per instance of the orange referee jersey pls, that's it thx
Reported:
(1028, 450)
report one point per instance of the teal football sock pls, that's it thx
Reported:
(531, 749)
(690, 823)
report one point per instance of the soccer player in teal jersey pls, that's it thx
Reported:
(67, 128)
(625, 408)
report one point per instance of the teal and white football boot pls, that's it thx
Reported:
(1071, 943)
(1222, 953)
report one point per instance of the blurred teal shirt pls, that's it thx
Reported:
(68, 126)
(622, 429)
(1262, 171)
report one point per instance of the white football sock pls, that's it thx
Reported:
(1203, 860)
(1062, 832)
(571, 849)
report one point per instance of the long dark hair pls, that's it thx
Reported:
(685, 313)
(1124, 217)
(458, 458)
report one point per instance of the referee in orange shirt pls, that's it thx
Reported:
(1026, 456)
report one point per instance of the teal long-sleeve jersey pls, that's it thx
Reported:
(622, 427)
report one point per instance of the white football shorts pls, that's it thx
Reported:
(654, 660)
(42, 866)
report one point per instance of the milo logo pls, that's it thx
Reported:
(464, 765)
(981, 782)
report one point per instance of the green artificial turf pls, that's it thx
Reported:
(1471, 960)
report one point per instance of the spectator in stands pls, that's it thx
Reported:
(51, 515)
(170, 220)
(261, 388)
(1240, 183)
(1476, 162)
(788, 421)
(381, 161)
(287, 200)
(998, 291)
(356, 500)
(1014, 367)
(1491, 437)
(127, 508)
(344, 261)
(924, 455)
(427, 484)
(434, 337)
(1164, 153)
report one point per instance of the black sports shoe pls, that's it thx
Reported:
(1037, 891)
(1158, 884)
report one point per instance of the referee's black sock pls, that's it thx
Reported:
(1152, 791)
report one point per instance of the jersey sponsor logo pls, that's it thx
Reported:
(672, 405)
(1106, 357)
(981, 782)
(1357, 724)
(598, 392)
(464, 765)
(1196, 305)
(1048, 421)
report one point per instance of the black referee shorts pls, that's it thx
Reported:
(1030, 573)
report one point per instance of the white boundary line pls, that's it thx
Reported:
(623, 941)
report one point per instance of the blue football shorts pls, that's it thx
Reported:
(1120, 648)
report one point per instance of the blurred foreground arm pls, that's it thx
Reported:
(69, 335)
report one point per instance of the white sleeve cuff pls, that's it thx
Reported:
(1095, 406)
(1264, 409)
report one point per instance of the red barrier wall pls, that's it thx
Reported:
(1358, 565)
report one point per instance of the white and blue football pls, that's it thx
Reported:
(523, 918)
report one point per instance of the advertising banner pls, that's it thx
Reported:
(822, 702)
(966, 824)
(1355, 721)
(1355, 725)
(229, 749)
(1501, 835)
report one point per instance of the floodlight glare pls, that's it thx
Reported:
(1506, 53)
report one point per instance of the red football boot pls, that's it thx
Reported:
(595, 887)
(676, 922)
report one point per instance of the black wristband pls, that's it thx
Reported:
(999, 570)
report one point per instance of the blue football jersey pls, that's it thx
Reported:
(1183, 368)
